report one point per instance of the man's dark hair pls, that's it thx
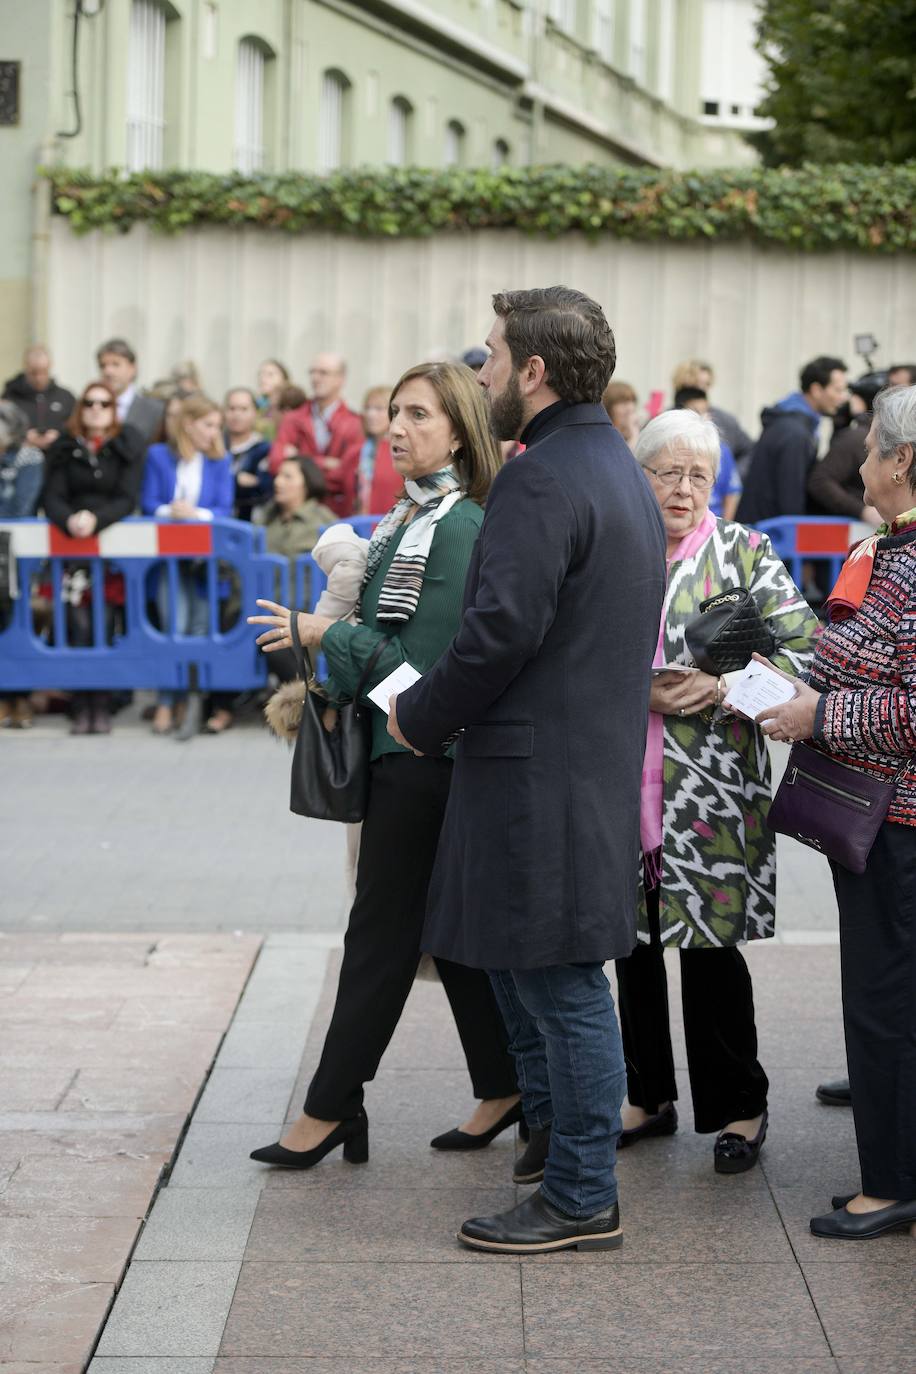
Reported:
(819, 370)
(565, 328)
(688, 393)
(905, 367)
(119, 346)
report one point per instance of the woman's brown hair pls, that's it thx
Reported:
(75, 423)
(615, 394)
(478, 458)
(195, 407)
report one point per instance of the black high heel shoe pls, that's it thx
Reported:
(353, 1134)
(463, 1140)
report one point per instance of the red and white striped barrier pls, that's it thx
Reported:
(132, 539)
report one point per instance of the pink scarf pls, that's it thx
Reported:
(652, 796)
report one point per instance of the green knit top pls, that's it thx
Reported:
(422, 639)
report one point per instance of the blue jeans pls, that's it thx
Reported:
(192, 614)
(568, 1052)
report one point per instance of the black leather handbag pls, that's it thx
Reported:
(727, 631)
(330, 773)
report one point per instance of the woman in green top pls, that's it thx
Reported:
(412, 598)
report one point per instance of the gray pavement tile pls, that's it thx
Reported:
(388, 1225)
(115, 1365)
(399, 1311)
(680, 1226)
(798, 1205)
(644, 1312)
(239, 1096)
(285, 1364)
(172, 1308)
(216, 1156)
(400, 1157)
(198, 1224)
(868, 1311)
(677, 1364)
(267, 1044)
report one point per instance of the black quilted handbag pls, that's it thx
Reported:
(727, 630)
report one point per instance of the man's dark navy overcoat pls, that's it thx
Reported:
(548, 677)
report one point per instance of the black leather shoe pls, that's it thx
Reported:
(529, 1167)
(840, 1200)
(734, 1154)
(463, 1140)
(663, 1123)
(352, 1134)
(843, 1225)
(535, 1227)
(834, 1094)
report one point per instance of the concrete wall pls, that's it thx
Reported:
(229, 298)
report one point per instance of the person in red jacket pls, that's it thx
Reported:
(380, 484)
(327, 430)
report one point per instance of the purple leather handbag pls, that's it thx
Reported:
(830, 806)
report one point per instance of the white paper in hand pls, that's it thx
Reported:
(403, 677)
(758, 687)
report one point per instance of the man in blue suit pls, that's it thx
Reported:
(548, 682)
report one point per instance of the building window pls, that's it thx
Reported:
(502, 154)
(332, 122)
(665, 48)
(145, 85)
(637, 63)
(400, 118)
(563, 14)
(250, 154)
(454, 144)
(603, 29)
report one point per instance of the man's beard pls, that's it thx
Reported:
(507, 411)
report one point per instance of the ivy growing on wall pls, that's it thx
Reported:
(808, 207)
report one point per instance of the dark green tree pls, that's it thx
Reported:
(842, 81)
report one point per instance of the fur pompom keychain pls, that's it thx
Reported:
(284, 710)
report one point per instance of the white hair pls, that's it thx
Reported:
(679, 429)
(895, 418)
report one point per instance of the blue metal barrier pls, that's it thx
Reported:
(810, 539)
(137, 653)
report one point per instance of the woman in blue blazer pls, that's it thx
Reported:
(192, 481)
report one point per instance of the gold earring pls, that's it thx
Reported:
(898, 476)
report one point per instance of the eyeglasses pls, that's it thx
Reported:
(96, 403)
(672, 477)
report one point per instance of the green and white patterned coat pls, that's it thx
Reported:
(718, 884)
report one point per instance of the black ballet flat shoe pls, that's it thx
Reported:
(843, 1225)
(529, 1167)
(352, 1134)
(663, 1123)
(535, 1227)
(836, 1094)
(733, 1154)
(463, 1140)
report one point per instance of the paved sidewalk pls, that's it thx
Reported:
(105, 1042)
(355, 1269)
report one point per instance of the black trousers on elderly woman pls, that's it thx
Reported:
(727, 1082)
(878, 964)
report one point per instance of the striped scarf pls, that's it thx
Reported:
(433, 497)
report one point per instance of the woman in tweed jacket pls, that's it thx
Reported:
(859, 706)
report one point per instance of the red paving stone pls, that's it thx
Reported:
(105, 1042)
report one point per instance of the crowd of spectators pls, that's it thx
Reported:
(293, 460)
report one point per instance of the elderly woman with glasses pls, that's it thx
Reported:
(709, 863)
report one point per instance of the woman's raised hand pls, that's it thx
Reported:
(311, 627)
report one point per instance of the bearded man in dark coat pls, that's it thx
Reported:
(547, 682)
